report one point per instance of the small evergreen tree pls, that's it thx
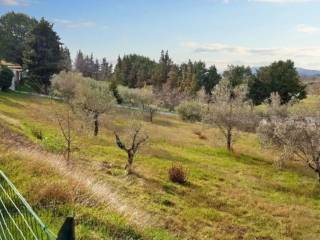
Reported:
(66, 63)
(79, 62)
(210, 80)
(6, 76)
(42, 56)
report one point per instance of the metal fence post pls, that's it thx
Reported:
(67, 231)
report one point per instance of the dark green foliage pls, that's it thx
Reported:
(173, 77)
(90, 67)
(115, 92)
(79, 62)
(281, 77)
(134, 71)
(162, 70)
(210, 80)
(105, 72)
(37, 133)
(6, 76)
(237, 75)
(65, 62)
(42, 56)
(14, 30)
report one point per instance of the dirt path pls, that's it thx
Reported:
(101, 191)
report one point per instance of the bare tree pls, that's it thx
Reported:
(170, 97)
(136, 139)
(92, 99)
(228, 109)
(65, 123)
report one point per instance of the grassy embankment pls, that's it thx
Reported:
(228, 196)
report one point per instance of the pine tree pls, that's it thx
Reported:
(210, 80)
(79, 62)
(66, 63)
(161, 73)
(173, 77)
(105, 70)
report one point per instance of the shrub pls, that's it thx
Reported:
(6, 76)
(114, 89)
(177, 174)
(37, 133)
(190, 111)
(200, 135)
(52, 194)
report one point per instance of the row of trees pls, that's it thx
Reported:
(89, 99)
(230, 110)
(295, 134)
(137, 71)
(34, 45)
(91, 67)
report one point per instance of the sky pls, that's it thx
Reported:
(219, 32)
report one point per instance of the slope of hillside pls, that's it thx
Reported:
(228, 196)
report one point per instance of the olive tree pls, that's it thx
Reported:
(228, 109)
(296, 136)
(142, 98)
(170, 97)
(65, 83)
(147, 101)
(131, 142)
(92, 99)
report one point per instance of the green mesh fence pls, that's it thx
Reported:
(17, 219)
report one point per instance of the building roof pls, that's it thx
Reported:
(13, 66)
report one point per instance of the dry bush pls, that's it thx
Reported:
(55, 193)
(177, 174)
(200, 135)
(190, 111)
(52, 194)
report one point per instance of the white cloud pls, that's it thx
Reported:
(307, 29)
(240, 50)
(74, 24)
(224, 54)
(14, 2)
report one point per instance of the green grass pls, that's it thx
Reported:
(236, 195)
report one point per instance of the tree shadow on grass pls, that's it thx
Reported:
(165, 155)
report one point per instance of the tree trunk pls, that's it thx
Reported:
(229, 140)
(68, 152)
(151, 116)
(46, 89)
(96, 124)
(130, 162)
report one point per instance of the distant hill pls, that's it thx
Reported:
(303, 72)
(308, 72)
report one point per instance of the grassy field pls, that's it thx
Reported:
(236, 195)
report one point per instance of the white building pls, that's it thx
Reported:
(17, 73)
